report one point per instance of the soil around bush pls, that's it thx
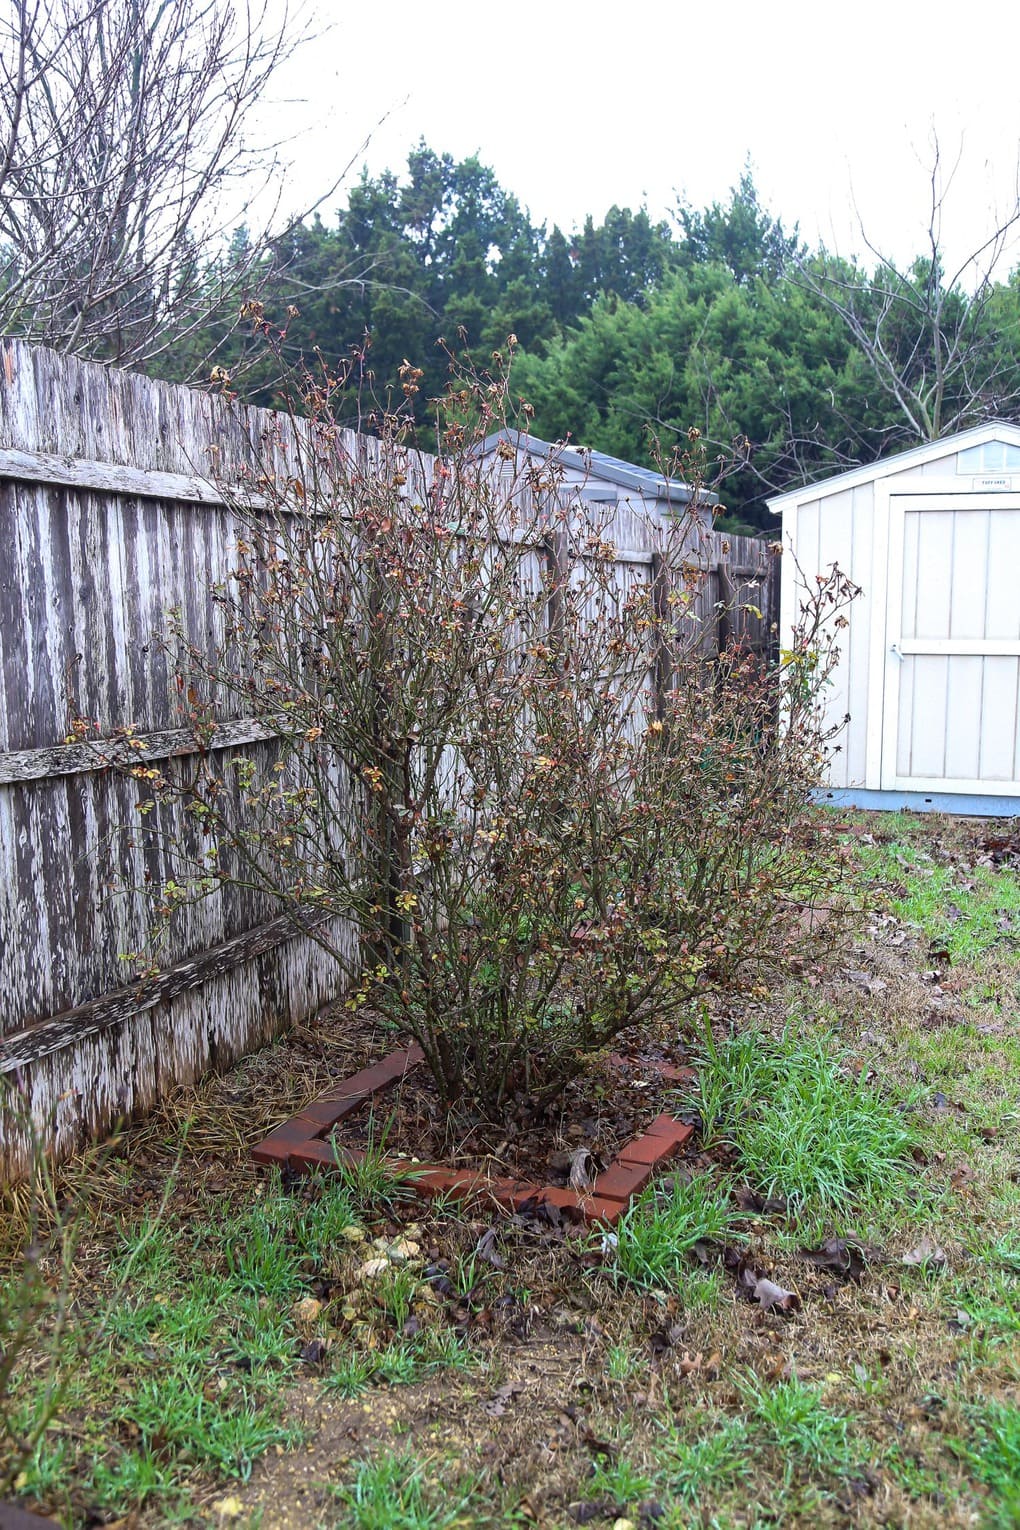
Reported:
(583, 1158)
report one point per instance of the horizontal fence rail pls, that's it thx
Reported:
(111, 516)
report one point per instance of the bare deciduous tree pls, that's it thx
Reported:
(930, 333)
(125, 159)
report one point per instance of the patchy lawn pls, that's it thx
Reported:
(814, 1318)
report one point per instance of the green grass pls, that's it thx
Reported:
(656, 1236)
(792, 1420)
(784, 1435)
(355, 1369)
(804, 1125)
(716, 1460)
(992, 1453)
(967, 910)
(620, 1481)
(182, 1361)
(912, 1473)
(391, 1492)
(623, 1363)
(369, 1180)
(179, 1367)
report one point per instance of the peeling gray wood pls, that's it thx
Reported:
(102, 754)
(108, 519)
(75, 1025)
(77, 1094)
(107, 478)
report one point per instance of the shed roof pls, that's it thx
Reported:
(627, 475)
(914, 456)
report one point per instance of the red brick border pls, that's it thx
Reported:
(301, 1145)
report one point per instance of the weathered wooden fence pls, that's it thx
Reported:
(110, 517)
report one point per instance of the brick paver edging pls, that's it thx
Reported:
(302, 1144)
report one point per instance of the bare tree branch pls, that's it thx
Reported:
(126, 162)
(928, 336)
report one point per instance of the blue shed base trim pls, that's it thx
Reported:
(966, 805)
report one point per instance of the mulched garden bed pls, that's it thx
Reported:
(583, 1157)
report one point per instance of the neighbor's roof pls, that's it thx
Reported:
(914, 456)
(596, 465)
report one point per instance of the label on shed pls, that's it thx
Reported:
(996, 482)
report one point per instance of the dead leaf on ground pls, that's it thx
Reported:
(941, 1102)
(926, 1253)
(838, 1257)
(698, 1365)
(598, 1447)
(665, 1338)
(582, 1169)
(748, 1199)
(502, 1398)
(486, 1249)
(584, 1513)
(775, 1298)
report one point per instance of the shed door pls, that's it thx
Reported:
(951, 717)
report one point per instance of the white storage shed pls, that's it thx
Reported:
(930, 664)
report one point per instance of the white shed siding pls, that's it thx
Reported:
(930, 668)
(838, 529)
(858, 638)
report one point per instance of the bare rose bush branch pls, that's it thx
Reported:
(512, 788)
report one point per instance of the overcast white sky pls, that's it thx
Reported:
(577, 106)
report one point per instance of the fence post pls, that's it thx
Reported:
(556, 551)
(724, 608)
(662, 662)
(773, 591)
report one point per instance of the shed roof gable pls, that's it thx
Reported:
(914, 456)
(598, 466)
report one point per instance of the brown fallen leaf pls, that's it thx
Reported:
(486, 1249)
(665, 1338)
(926, 1253)
(582, 1169)
(839, 1257)
(583, 1513)
(749, 1200)
(775, 1298)
(502, 1398)
(598, 1447)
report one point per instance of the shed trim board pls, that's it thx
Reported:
(899, 462)
(938, 725)
(958, 803)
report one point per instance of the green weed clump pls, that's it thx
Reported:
(656, 1236)
(804, 1123)
(392, 1493)
(993, 1455)
(182, 1362)
(792, 1419)
(712, 1461)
